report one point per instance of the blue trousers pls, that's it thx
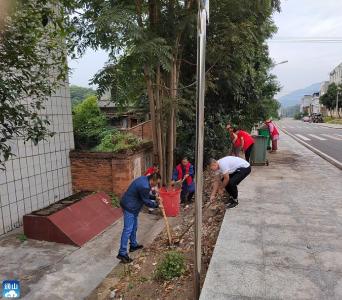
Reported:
(129, 231)
(187, 191)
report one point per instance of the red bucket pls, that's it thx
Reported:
(171, 201)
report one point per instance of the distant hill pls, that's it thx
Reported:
(79, 93)
(295, 97)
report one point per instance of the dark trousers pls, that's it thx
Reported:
(234, 180)
(248, 152)
(188, 192)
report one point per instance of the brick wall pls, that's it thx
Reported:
(96, 171)
(142, 130)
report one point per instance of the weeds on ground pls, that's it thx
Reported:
(115, 201)
(143, 279)
(22, 237)
(130, 286)
(171, 266)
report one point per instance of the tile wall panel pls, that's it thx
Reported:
(38, 175)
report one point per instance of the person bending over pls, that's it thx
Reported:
(137, 195)
(229, 171)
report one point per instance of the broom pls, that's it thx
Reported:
(161, 206)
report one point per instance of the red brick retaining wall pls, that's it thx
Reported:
(108, 172)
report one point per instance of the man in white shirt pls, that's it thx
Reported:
(230, 171)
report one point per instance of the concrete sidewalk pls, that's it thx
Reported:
(284, 239)
(57, 271)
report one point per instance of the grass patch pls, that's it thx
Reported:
(332, 120)
(171, 266)
(22, 237)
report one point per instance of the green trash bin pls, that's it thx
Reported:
(259, 151)
(266, 133)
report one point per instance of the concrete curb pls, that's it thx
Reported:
(328, 158)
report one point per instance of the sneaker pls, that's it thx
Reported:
(135, 248)
(125, 259)
(232, 204)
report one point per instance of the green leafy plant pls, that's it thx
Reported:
(171, 266)
(115, 201)
(89, 123)
(116, 141)
(22, 237)
(329, 98)
(31, 50)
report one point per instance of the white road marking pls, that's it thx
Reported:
(303, 137)
(330, 159)
(317, 137)
(332, 137)
(339, 135)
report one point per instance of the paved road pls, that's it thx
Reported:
(327, 140)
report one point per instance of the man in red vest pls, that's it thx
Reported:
(185, 172)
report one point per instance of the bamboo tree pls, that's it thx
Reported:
(150, 37)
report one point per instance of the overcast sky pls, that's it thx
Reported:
(308, 62)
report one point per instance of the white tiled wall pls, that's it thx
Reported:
(38, 175)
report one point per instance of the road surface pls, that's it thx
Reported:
(324, 139)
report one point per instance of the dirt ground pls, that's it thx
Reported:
(136, 280)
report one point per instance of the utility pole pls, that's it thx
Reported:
(203, 10)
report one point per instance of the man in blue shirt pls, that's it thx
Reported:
(137, 194)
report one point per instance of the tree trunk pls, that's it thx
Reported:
(164, 131)
(159, 140)
(152, 111)
(171, 134)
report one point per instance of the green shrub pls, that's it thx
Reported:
(89, 123)
(116, 141)
(171, 266)
(298, 116)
